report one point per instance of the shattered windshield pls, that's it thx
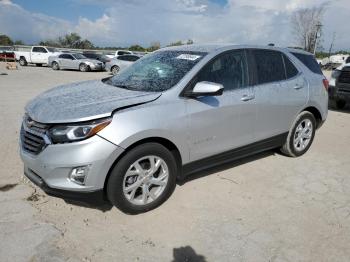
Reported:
(157, 72)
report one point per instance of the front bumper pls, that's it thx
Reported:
(97, 67)
(339, 92)
(85, 196)
(50, 169)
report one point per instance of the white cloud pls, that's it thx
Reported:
(137, 21)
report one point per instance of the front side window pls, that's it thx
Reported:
(39, 50)
(157, 72)
(269, 66)
(228, 69)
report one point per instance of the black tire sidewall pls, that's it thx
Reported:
(115, 182)
(311, 117)
(22, 62)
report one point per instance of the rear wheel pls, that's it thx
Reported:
(84, 68)
(340, 104)
(55, 66)
(301, 135)
(142, 179)
(23, 61)
(115, 70)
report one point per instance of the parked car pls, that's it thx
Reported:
(339, 85)
(104, 59)
(119, 63)
(119, 53)
(37, 55)
(75, 61)
(179, 110)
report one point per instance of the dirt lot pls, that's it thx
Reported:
(264, 208)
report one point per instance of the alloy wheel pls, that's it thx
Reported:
(145, 180)
(303, 135)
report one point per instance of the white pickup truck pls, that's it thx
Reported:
(119, 53)
(37, 55)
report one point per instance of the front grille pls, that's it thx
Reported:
(33, 136)
(344, 76)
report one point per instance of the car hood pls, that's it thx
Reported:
(83, 101)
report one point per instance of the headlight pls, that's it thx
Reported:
(77, 132)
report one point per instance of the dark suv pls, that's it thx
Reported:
(339, 89)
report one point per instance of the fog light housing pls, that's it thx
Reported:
(78, 174)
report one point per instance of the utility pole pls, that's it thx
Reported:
(331, 47)
(318, 28)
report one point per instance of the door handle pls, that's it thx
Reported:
(298, 87)
(247, 97)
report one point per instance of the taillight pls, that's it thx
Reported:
(325, 83)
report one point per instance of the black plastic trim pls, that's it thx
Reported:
(238, 153)
(90, 196)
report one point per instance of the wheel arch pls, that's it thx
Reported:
(317, 114)
(160, 140)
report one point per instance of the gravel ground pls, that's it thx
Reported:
(264, 208)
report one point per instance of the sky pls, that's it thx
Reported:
(127, 22)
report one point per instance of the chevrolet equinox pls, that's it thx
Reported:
(129, 138)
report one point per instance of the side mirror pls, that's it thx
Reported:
(206, 89)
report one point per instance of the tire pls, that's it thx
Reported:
(125, 174)
(55, 66)
(84, 67)
(115, 70)
(39, 65)
(340, 104)
(295, 147)
(23, 61)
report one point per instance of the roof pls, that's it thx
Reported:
(209, 48)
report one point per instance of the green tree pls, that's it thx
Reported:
(19, 42)
(189, 42)
(154, 46)
(137, 48)
(177, 43)
(5, 40)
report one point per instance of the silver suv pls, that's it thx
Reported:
(129, 138)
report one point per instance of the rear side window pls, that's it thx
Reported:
(269, 66)
(310, 62)
(131, 58)
(291, 70)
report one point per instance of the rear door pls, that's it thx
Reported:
(221, 123)
(279, 97)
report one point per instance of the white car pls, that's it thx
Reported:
(120, 63)
(38, 55)
(119, 53)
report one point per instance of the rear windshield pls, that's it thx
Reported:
(310, 62)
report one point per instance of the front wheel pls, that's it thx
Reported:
(143, 179)
(84, 68)
(55, 66)
(115, 70)
(301, 135)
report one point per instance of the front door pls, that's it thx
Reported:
(221, 123)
